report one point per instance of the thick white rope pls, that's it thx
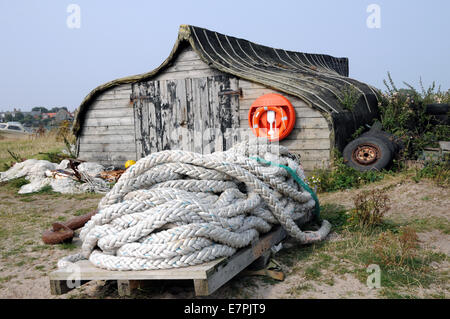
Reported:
(177, 208)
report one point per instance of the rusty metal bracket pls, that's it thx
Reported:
(229, 92)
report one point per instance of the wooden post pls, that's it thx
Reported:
(59, 287)
(126, 287)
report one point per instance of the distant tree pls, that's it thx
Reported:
(40, 108)
(46, 122)
(9, 117)
(19, 117)
(54, 110)
(28, 119)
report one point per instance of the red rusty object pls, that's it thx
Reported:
(64, 232)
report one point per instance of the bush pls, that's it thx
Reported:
(397, 249)
(349, 97)
(340, 176)
(370, 207)
(403, 113)
(437, 171)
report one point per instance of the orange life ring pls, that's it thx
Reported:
(284, 116)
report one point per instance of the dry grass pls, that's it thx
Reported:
(370, 208)
(28, 147)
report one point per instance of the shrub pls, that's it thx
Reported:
(437, 171)
(403, 113)
(64, 132)
(349, 97)
(370, 207)
(397, 249)
(341, 176)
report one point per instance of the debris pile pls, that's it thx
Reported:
(68, 177)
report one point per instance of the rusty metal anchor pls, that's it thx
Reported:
(64, 232)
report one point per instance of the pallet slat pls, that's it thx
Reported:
(207, 277)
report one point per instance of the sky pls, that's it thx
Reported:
(44, 61)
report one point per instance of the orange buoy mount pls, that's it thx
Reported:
(272, 116)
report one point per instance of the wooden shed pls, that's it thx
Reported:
(206, 86)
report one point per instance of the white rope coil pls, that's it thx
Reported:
(177, 208)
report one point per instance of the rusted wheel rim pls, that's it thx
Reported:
(366, 154)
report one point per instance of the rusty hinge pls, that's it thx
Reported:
(229, 92)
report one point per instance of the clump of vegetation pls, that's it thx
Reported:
(403, 263)
(64, 132)
(437, 171)
(370, 208)
(349, 97)
(340, 176)
(403, 113)
(397, 249)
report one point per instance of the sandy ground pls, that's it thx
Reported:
(25, 261)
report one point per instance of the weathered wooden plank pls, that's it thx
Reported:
(232, 266)
(60, 287)
(146, 136)
(316, 155)
(113, 121)
(107, 138)
(108, 130)
(154, 116)
(120, 95)
(107, 147)
(234, 107)
(89, 272)
(313, 144)
(308, 133)
(189, 122)
(178, 100)
(249, 96)
(107, 156)
(186, 67)
(121, 87)
(127, 287)
(187, 54)
(300, 134)
(245, 84)
(204, 115)
(169, 114)
(195, 62)
(111, 112)
(165, 115)
(181, 75)
(111, 104)
(213, 122)
(310, 165)
(208, 277)
(196, 113)
(137, 112)
(122, 91)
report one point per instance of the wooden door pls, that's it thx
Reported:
(193, 114)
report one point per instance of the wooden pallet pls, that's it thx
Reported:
(207, 277)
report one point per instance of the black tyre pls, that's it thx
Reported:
(368, 153)
(387, 138)
(437, 109)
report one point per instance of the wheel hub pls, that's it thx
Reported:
(366, 154)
